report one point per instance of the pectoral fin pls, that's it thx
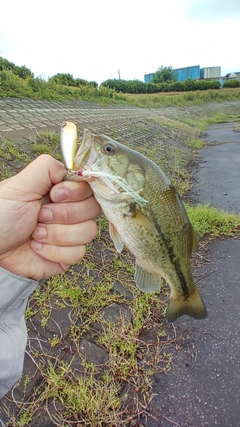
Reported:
(116, 238)
(137, 216)
(145, 281)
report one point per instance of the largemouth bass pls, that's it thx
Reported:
(146, 215)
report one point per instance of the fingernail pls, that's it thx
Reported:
(40, 232)
(37, 246)
(60, 195)
(45, 215)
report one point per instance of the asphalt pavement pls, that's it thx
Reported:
(218, 174)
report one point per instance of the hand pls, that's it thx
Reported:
(45, 223)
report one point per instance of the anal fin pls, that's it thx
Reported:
(145, 281)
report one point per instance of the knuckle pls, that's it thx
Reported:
(78, 254)
(82, 252)
(67, 214)
(92, 230)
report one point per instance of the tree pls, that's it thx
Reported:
(22, 72)
(164, 74)
(65, 79)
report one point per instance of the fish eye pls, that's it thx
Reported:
(109, 148)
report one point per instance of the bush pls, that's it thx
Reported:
(93, 84)
(151, 88)
(137, 86)
(189, 85)
(67, 79)
(38, 84)
(125, 86)
(231, 83)
(202, 84)
(63, 79)
(176, 87)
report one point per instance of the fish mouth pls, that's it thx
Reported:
(85, 160)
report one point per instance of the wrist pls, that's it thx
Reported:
(13, 287)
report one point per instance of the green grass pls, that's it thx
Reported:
(44, 142)
(201, 122)
(12, 157)
(183, 99)
(95, 401)
(12, 151)
(196, 144)
(209, 221)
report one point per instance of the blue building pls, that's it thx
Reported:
(184, 73)
(148, 77)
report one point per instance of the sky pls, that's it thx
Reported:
(98, 39)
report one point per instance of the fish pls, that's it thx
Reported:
(146, 215)
(68, 144)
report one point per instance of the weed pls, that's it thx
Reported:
(182, 99)
(54, 341)
(103, 225)
(41, 149)
(202, 122)
(113, 133)
(46, 143)
(207, 220)
(14, 86)
(196, 143)
(12, 152)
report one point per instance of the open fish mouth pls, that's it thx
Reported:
(117, 185)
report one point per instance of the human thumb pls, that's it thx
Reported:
(36, 179)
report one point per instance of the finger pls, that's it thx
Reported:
(67, 235)
(60, 254)
(69, 213)
(70, 191)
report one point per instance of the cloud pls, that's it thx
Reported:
(93, 39)
(213, 9)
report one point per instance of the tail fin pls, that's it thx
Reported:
(193, 306)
